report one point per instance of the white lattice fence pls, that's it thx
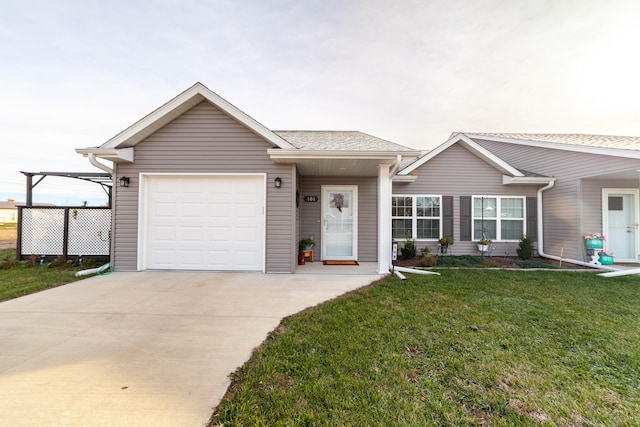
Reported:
(65, 231)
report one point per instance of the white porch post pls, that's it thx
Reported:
(384, 218)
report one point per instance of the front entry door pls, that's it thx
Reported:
(620, 214)
(340, 222)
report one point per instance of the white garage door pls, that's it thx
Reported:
(203, 222)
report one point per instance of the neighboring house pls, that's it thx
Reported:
(555, 188)
(209, 188)
(8, 212)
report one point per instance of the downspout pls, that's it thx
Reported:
(541, 232)
(96, 163)
(396, 166)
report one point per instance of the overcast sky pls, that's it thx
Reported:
(75, 73)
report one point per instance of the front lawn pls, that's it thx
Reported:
(469, 347)
(17, 278)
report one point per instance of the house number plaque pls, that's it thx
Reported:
(310, 198)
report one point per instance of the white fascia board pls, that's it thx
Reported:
(404, 178)
(535, 180)
(278, 154)
(617, 152)
(475, 148)
(114, 154)
(181, 103)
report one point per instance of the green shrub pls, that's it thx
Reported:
(525, 248)
(409, 249)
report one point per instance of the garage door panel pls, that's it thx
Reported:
(191, 259)
(193, 210)
(165, 209)
(205, 222)
(164, 233)
(190, 234)
(163, 258)
(246, 235)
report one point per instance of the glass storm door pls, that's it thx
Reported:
(340, 222)
(620, 215)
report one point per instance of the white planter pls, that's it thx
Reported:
(483, 248)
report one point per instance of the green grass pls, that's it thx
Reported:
(464, 348)
(533, 264)
(22, 280)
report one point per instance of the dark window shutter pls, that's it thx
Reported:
(532, 217)
(447, 216)
(465, 218)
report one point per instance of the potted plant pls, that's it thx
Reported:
(483, 244)
(306, 244)
(605, 257)
(444, 243)
(594, 240)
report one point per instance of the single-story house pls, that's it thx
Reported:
(207, 187)
(8, 212)
(203, 186)
(554, 188)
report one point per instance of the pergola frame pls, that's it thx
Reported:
(102, 178)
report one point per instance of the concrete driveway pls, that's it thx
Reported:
(145, 348)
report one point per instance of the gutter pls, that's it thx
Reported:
(541, 234)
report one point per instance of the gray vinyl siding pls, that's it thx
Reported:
(573, 207)
(298, 235)
(458, 172)
(206, 140)
(311, 217)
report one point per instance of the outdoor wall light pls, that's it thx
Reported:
(124, 181)
(278, 182)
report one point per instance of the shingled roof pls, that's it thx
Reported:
(337, 140)
(600, 141)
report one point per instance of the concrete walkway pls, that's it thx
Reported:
(142, 349)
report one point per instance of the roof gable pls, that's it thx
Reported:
(470, 145)
(177, 106)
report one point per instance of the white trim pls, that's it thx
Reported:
(618, 152)
(295, 154)
(142, 210)
(384, 218)
(404, 178)
(414, 217)
(605, 217)
(472, 146)
(354, 237)
(113, 154)
(498, 219)
(535, 180)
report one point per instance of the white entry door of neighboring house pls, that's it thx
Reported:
(620, 217)
(340, 222)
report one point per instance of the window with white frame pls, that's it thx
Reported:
(417, 217)
(498, 218)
